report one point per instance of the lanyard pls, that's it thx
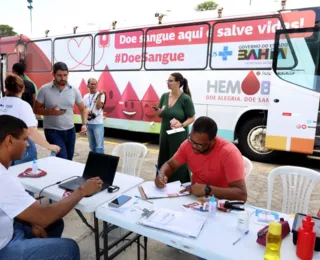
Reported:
(90, 101)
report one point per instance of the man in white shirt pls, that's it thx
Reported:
(94, 102)
(28, 229)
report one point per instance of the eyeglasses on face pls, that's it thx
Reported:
(170, 80)
(199, 146)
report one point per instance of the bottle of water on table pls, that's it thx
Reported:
(212, 207)
(34, 167)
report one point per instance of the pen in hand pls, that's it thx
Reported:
(245, 233)
(158, 171)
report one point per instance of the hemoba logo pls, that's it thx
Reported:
(249, 86)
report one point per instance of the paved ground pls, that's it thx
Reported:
(257, 196)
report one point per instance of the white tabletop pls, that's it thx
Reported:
(215, 240)
(59, 169)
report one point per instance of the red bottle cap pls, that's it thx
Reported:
(308, 222)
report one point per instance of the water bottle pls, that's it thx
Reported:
(212, 207)
(34, 167)
(243, 221)
(273, 242)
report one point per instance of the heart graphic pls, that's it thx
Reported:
(78, 45)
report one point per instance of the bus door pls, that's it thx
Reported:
(295, 91)
(6, 63)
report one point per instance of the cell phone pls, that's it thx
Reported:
(155, 107)
(63, 109)
(118, 202)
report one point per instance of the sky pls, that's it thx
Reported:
(59, 16)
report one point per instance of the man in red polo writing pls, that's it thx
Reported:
(216, 164)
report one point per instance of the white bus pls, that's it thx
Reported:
(260, 84)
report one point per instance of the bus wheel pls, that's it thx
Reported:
(252, 137)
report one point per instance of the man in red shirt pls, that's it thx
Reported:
(216, 164)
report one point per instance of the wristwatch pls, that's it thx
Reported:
(207, 190)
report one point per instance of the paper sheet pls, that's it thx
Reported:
(178, 222)
(176, 130)
(171, 190)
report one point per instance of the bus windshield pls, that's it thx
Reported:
(299, 64)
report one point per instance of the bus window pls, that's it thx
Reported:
(302, 66)
(179, 47)
(244, 44)
(12, 58)
(75, 51)
(39, 56)
(118, 51)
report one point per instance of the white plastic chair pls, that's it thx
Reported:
(247, 166)
(132, 155)
(297, 184)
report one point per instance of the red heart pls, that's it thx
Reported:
(79, 44)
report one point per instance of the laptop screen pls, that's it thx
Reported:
(101, 165)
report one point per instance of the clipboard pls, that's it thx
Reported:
(161, 193)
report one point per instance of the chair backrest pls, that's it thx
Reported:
(247, 166)
(297, 185)
(132, 155)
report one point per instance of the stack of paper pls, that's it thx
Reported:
(180, 223)
(149, 190)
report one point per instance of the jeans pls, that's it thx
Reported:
(96, 137)
(29, 154)
(24, 246)
(66, 139)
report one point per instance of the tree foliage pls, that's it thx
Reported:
(6, 30)
(207, 5)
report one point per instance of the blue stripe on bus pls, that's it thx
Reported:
(226, 134)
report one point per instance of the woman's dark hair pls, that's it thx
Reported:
(206, 125)
(14, 84)
(183, 82)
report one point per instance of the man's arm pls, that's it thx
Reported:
(167, 169)
(100, 100)
(84, 112)
(39, 109)
(236, 191)
(33, 100)
(44, 215)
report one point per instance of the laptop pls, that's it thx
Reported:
(98, 165)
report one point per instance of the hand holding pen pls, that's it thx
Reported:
(161, 179)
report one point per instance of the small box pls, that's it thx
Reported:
(298, 223)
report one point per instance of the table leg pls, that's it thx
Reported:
(138, 248)
(105, 240)
(145, 247)
(96, 237)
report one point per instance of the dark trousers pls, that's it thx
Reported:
(66, 139)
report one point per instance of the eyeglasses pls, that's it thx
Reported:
(199, 146)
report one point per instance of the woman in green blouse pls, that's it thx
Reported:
(176, 110)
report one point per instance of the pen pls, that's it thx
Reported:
(245, 233)
(158, 171)
(143, 199)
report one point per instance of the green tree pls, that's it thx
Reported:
(6, 30)
(207, 5)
